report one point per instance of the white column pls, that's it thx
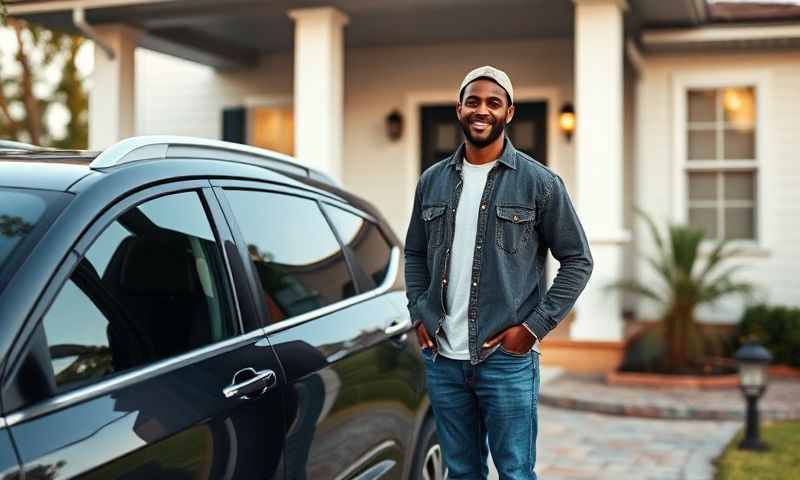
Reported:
(599, 50)
(112, 96)
(319, 87)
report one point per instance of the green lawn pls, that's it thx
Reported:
(781, 462)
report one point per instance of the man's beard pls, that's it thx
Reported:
(497, 129)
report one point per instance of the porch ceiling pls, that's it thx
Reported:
(237, 32)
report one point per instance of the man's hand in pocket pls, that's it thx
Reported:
(516, 339)
(423, 338)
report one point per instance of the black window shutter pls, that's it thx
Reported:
(234, 122)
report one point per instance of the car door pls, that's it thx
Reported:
(151, 361)
(348, 411)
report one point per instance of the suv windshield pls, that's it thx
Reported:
(21, 217)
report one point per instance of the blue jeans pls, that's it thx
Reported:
(489, 406)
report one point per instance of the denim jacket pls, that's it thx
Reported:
(525, 210)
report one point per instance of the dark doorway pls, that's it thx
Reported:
(441, 132)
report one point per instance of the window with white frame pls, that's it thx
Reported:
(721, 163)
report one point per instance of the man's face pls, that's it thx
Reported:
(484, 112)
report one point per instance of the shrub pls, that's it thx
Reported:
(775, 327)
(684, 283)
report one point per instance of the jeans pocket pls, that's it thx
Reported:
(514, 227)
(514, 354)
(426, 352)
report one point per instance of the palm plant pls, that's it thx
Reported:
(687, 284)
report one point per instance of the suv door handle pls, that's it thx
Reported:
(259, 383)
(398, 325)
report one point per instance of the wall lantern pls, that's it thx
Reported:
(566, 121)
(394, 125)
(753, 360)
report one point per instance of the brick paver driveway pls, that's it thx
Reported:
(580, 445)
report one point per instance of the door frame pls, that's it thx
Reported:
(552, 95)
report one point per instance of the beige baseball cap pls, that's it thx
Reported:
(494, 74)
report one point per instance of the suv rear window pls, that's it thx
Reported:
(21, 212)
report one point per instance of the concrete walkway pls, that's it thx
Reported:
(586, 445)
(580, 445)
(585, 394)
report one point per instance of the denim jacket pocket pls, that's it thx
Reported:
(434, 223)
(514, 227)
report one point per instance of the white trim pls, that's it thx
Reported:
(64, 5)
(621, 4)
(760, 80)
(660, 38)
(325, 13)
(551, 95)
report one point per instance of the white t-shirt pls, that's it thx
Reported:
(455, 342)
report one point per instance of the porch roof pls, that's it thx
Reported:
(234, 33)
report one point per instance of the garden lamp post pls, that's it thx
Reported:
(753, 360)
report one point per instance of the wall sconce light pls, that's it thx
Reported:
(566, 120)
(394, 125)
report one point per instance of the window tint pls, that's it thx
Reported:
(371, 250)
(296, 256)
(20, 213)
(151, 286)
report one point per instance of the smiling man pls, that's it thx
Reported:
(482, 223)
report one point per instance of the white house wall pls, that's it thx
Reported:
(178, 97)
(378, 80)
(774, 264)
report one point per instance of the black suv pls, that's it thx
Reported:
(184, 308)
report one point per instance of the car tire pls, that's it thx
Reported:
(428, 461)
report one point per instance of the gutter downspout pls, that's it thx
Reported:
(79, 19)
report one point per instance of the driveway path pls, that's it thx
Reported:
(584, 445)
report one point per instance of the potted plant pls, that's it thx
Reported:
(676, 344)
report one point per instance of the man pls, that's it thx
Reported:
(482, 223)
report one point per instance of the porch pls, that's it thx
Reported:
(318, 81)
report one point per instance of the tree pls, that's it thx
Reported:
(27, 93)
(687, 285)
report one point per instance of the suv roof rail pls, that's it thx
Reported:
(154, 147)
(6, 145)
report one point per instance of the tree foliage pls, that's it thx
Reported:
(43, 76)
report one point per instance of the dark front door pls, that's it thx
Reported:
(441, 132)
(153, 373)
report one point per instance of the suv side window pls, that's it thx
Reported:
(299, 262)
(152, 286)
(369, 247)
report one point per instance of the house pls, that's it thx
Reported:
(685, 108)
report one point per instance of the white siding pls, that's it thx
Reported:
(775, 265)
(178, 97)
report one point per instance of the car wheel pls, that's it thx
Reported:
(429, 462)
